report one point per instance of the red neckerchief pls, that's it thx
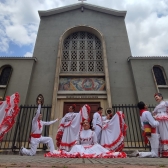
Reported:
(39, 124)
(141, 111)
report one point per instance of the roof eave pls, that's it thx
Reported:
(84, 5)
(146, 58)
(18, 58)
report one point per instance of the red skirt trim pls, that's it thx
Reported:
(122, 133)
(164, 153)
(9, 120)
(78, 155)
(163, 118)
(164, 142)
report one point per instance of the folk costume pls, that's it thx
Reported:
(161, 115)
(69, 128)
(86, 146)
(113, 132)
(36, 135)
(149, 125)
(8, 112)
(97, 124)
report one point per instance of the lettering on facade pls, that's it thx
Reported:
(82, 97)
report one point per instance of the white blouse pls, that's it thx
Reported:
(87, 137)
(161, 111)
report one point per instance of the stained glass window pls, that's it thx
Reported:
(159, 75)
(82, 52)
(5, 75)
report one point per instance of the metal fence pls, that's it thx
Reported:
(134, 138)
(18, 136)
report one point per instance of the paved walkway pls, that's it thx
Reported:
(41, 161)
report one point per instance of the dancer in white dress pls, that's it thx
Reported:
(87, 147)
(113, 132)
(161, 114)
(86, 143)
(9, 109)
(149, 125)
(70, 127)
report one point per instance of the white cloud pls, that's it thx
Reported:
(28, 54)
(4, 42)
(147, 27)
(21, 37)
(146, 22)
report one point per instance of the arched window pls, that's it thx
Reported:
(5, 74)
(82, 52)
(159, 75)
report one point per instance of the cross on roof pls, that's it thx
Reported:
(82, 0)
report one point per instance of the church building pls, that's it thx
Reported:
(82, 55)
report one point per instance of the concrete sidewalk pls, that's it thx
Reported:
(40, 161)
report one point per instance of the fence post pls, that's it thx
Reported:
(16, 130)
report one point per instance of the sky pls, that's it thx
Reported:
(146, 22)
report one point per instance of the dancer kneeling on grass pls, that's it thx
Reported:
(87, 146)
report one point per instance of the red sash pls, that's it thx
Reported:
(35, 135)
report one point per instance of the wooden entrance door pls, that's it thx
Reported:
(93, 107)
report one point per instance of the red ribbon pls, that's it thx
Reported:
(39, 124)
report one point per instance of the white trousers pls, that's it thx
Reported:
(154, 142)
(98, 133)
(34, 144)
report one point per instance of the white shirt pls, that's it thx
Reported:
(147, 117)
(97, 119)
(35, 125)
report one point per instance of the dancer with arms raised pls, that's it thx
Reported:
(70, 127)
